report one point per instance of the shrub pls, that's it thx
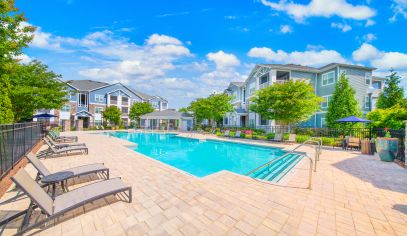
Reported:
(270, 135)
(217, 129)
(249, 132)
(302, 138)
(260, 131)
(262, 137)
(242, 135)
(254, 136)
(249, 136)
(219, 134)
(286, 136)
(327, 141)
(232, 133)
(207, 129)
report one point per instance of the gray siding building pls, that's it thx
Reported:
(323, 80)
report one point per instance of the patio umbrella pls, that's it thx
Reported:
(44, 115)
(353, 119)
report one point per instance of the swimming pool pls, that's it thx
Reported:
(200, 158)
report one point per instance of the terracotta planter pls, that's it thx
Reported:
(387, 148)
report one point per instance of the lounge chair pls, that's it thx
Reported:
(63, 203)
(292, 138)
(278, 137)
(237, 134)
(58, 151)
(353, 143)
(226, 133)
(62, 139)
(62, 145)
(76, 171)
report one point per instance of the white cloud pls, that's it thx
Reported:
(380, 59)
(399, 8)
(342, 26)
(286, 29)
(309, 57)
(369, 37)
(370, 22)
(322, 8)
(230, 17)
(223, 60)
(162, 39)
(24, 58)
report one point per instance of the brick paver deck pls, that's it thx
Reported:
(352, 194)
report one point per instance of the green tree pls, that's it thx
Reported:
(183, 109)
(342, 103)
(392, 93)
(13, 38)
(289, 102)
(112, 114)
(35, 87)
(138, 109)
(212, 108)
(393, 118)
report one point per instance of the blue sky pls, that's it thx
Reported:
(182, 50)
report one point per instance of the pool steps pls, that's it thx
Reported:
(277, 170)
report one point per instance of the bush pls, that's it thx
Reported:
(232, 133)
(219, 134)
(286, 136)
(327, 141)
(302, 138)
(262, 137)
(217, 129)
(270, 135)
(249, 136)
(242, 135)
(304, 131)
(254, 136)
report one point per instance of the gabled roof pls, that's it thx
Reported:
(238, 84)
(292, 67)
(332, 65)
(86, 85)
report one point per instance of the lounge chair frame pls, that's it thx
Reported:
(54, 151)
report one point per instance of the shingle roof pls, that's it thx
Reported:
(292, 67)
(86, 85)
(238, 84)
(345, 65)
(144, 96)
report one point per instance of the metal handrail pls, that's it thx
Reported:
(317, 151)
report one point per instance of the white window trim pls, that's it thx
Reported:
(101, 110)
(97, 96)
(367, 102)
(368, 75)
(327, 98)
(323, 121)
(327, 80)
(62, 108)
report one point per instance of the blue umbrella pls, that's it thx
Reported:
(44, 115)
(353, 119)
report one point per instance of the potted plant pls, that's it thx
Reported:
(387, 147)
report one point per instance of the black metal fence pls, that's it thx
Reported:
(362, 133)
(16, 140)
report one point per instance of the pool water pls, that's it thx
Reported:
(200, 158)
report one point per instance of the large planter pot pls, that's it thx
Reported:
(387, 148)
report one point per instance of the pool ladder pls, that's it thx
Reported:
(288, 159)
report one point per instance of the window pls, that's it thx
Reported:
(328, 78)
(264, 79)
(244, 95)
(367, 102)
(226, 120)
(125, 101)
(98, 110)
(252, 88)
(99, 98)
(325, 103)
(377, 84)
(263, 121)
(164, 105)
(323, 122)
(66, 108)
(234, 95)
(368, 78)
(113, 99)
(125, 110)
(83, 100)
(251, 122)
(154, 104)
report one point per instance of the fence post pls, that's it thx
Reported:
(12, 146)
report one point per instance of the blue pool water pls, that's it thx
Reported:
(200, 158)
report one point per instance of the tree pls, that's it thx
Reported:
(13, 38)
(35, 87)
(183, 109)
(342, 103)
(393, 118)
(138, 109)
(112, 114)
(392, 94)
(212, 108)
(289, 102)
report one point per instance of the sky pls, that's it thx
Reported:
(183, 50)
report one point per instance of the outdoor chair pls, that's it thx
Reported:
(63, 145)
(353, 143)
(226, 133)
(62, 139)
(59, 151)
(75, 171)
(237, 134)
(62, 204)
(292, 138)
(278, 137)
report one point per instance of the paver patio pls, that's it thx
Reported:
(352, 194)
